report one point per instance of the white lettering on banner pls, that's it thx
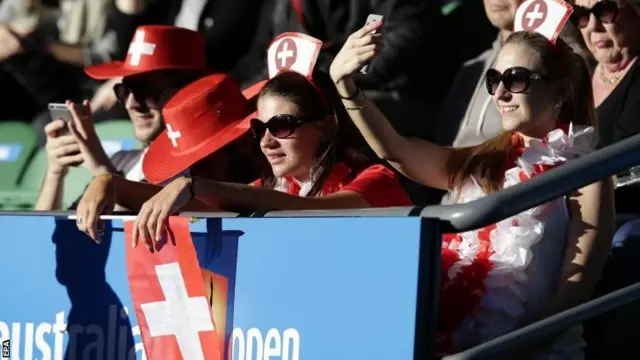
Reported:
(49, 338)
(253, 346)
(5, 151)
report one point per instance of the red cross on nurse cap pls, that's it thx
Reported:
(156, 47)
(546, 17)
(289, 51)
(293, 52)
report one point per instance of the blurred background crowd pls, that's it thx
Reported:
(426, 80)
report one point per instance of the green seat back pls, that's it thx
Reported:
(18, 141)
(74, 183)
(117, 135)
(114, 135)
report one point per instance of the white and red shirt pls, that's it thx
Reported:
(493, 278)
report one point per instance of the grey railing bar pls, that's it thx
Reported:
(372, 212)
(550, 325)
(562, 180)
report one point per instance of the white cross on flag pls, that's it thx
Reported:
(546, 17)
(169, 297)
(293, 51)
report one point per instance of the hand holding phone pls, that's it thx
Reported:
(370, 19)
(60, 111)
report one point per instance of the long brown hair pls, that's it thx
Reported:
(319, 100)
(559, 61)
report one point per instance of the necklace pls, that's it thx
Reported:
(610, 79)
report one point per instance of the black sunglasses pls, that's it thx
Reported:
(280, 126)
(139, 90)
(605, 11)
(515, 79)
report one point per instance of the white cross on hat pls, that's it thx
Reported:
(173, 135)
(139, 47)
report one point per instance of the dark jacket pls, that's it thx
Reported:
(411, 37)
(227, 25)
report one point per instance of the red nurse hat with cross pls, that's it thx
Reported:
(156, 47)
(289, 51)
(200, 119)
(546, 17)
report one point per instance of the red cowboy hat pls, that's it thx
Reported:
(156, 47)
(200, 119)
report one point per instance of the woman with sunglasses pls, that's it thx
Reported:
(312, 162)
(539, 262)
(611, 30)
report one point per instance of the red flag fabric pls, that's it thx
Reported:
(169, 297)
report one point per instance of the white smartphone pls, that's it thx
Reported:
(370, 19)
(60, 111)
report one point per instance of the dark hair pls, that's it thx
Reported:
(320, 99)
(559, 61)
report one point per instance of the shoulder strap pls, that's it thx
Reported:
(124, 160)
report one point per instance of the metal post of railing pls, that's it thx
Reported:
(550, 325)
(562, 180)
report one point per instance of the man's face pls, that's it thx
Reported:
(501, 13)
(144, 96)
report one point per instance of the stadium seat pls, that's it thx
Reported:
(18, 141)
(74, 183)
(114, 135)
(117, 135)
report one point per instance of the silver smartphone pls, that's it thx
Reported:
(60, 111)
(370, 19)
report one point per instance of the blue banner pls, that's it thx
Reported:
(310, 288)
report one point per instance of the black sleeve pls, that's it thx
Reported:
(229, 27)
(629, 120)
(252, 67)
(409, 32)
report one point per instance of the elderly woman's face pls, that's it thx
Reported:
(607, 40)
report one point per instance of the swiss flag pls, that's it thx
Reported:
(294, 52)
(169, 297)
(546, 17)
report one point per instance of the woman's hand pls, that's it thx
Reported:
(359, 49)
(153, 216)
(98, 199)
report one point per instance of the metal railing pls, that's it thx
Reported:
(496, 207)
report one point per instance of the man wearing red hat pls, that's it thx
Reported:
(161, 60)
(205, 123)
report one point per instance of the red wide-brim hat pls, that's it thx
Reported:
(200, 119)
(156, 47)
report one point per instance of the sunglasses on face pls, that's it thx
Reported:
(515, 79)
(280, 126)
(605, 11)
(139, 90)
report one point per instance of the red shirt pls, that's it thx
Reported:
(379, 185)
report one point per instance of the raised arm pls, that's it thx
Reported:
(420, 160)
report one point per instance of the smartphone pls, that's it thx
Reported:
(60, 111)
(370, 19)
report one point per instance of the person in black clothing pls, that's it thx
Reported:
(611, 31)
